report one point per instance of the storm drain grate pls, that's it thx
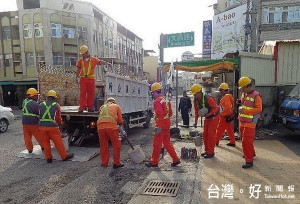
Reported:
(162, 188)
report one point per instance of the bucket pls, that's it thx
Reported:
(198, 141)
(66, 143)
(136, 154)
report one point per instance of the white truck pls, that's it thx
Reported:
(132, 95)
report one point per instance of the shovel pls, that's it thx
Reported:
(136, 154)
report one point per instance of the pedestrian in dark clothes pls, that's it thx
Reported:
(185, 106)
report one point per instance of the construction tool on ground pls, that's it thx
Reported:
(136, 154)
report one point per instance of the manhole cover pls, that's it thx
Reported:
(162, 188)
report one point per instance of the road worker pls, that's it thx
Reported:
(110, 117)
(163, 112)
(251, 102)
(86, 71)
(50, 119)
(206, 106)
(30, 119)
(226, 115)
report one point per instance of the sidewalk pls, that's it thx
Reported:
(276, 172)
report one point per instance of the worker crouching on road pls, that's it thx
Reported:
(50, 119)
(251, 102)
(206, 106)
(226, 115)
(30, 119)
(163, 112)
(110, 116)
(86, 71)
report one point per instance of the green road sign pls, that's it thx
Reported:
(180, 39)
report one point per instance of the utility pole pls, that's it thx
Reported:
(161, 57)
(247, 26)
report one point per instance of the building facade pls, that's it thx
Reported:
(268, 20)
(51, 31)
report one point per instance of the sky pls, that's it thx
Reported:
(148, 19)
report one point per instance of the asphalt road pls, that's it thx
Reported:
(35, 181)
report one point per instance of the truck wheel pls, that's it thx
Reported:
(125, 124)
(148, 119)
(3, 125)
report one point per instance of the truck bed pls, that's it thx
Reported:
(73, 111)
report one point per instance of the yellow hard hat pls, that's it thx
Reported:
(224, 86)
(51, 93)
(32, 91)
(156, 86)
(195, 88)
(83, 49)
(111, 99)
(244, 81)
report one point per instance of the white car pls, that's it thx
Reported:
(6, 118)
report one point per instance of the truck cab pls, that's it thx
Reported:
(290, 109)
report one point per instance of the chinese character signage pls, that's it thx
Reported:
(228, 32)
(180, 39)
(207, 38)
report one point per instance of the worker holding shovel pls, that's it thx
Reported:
(163, 113)
(110, 116)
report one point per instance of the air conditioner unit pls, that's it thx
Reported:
(215, 6)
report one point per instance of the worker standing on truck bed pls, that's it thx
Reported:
(30, 119)
(86, 71)
(163, 112)
(50, 119)
(110, 116)
(248, 116)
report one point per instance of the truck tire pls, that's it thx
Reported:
(125, 124)
(3, 125)
(148, 120)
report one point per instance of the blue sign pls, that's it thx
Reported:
(207, 39)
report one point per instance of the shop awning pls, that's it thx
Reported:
(203, 66)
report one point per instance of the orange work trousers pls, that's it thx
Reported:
(52, 133)
(223, 125)
(163, 138)
(248, 135)
(28, 132)
(104, 136)
(210, 134)
(87, 93)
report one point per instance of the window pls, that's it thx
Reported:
(70, 59)
(7, 60)
(110, 44)
(6, 32)
(105, 42)
(29, 59)
(27, 29)
(100, 39)
(15, 32)
(40, 57)
(17, 59)
(31, 4)
(82, 33)
(57, 58)
(95, 36)
(38, 30)
(230, 2)
(55, 30)
(115, 45)
(284, 14)
(69, 32)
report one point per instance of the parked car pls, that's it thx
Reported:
(290, 109)
(6, 118)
